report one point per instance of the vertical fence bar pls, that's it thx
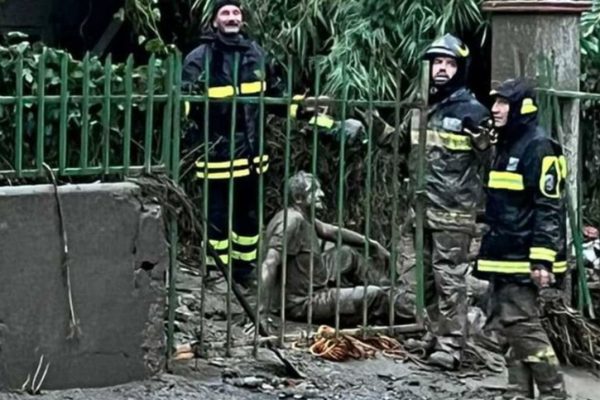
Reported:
(128, 107)
(205, 198)
(368, 183)
(41, 92)
(85, 115)
(288, 139)
(340, 205)
(173, 236)
(423, 95)
(395, 196)
(106, 114)
(315, 147)
(573, 210)
(230, 199)
(149, 115)
(19, 122)
(261, 207)
(167, 114)
(64, 102)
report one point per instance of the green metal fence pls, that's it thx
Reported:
(70, 142)
(553, 104)
(397, 107)
(139, 131)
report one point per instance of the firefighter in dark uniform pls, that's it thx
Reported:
(246, 164)
(453, 190)
(525, 249)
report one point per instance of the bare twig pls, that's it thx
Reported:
(74, 328)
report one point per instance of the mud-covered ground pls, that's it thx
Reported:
(244, 377)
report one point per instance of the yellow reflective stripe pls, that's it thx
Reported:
(542, 253)
(253, 87)
(545, 355)
(323, 121)
(219, 244)
(547, 163)
(224, 175)
(249, 256)
(527, 107)
(506, 180)
(261, 170)
(448, 140)
(219, 92)
(562, 161)
(186, 108)
(294, 107)
(257, 160)
(559, 267)
(504, 267)
(224, 258)
(240, 162)
(454, 141)
(515, 267)
(245, 240)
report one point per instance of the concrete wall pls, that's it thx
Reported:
(118, 258)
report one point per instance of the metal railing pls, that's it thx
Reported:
(120, 148)
(553, 104)
(397, 107)
(139, 132)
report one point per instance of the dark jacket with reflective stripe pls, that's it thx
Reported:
(525, 207)
(452, 175)
(221, 55)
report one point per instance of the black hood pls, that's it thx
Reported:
(523, 112)
(449, 46)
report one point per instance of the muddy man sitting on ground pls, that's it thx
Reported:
(301, 240)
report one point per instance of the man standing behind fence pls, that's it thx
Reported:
(452, 191)
(525, 247)
(245, 164)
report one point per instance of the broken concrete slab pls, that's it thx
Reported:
(118, 256)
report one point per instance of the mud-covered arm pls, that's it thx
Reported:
(330, 233)
(281, 237)
(269, 273)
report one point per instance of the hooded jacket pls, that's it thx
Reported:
(525, 207)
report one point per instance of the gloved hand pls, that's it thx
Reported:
(541, 276)
(311, 103)
(483, 136)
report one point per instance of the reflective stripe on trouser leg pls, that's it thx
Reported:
(245, 235)
(217, 219)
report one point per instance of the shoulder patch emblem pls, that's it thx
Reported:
(513, 163)
(452, 124)
(549, 183)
